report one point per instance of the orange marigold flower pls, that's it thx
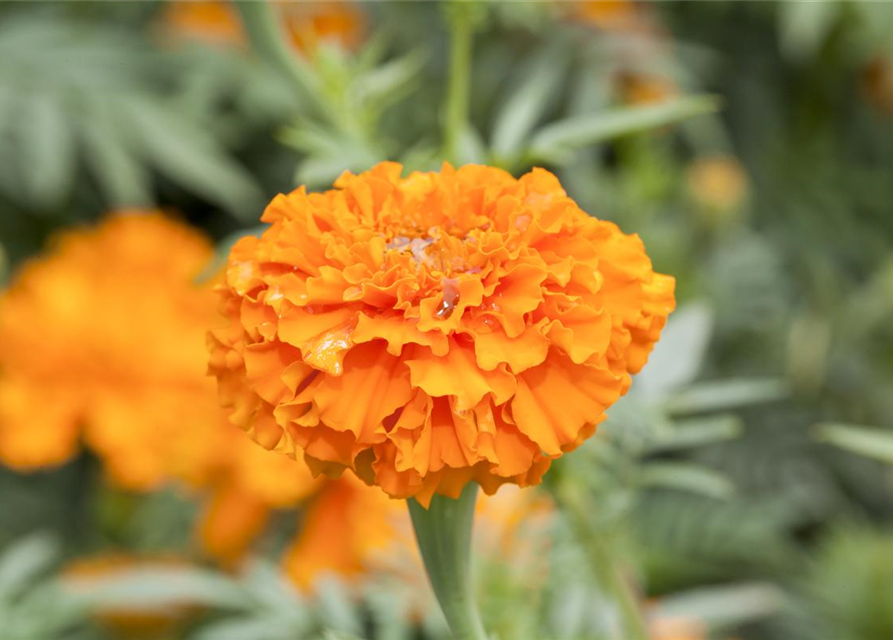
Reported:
(250, 483)
(717, 183)
(344, 528)
(308, 24)
(101, 340)
(435, 329)
(611, 15)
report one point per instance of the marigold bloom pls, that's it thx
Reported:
(344, 527)
(101, 339)
(611, 15)
(718, 183)
(432, 330)
(308, 24)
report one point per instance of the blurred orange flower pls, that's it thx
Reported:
(344, 528)
(877, 84)
(611, 15)
(638, 88)
(677, 628)
(718, 183)
(102, 339)
(431, 330)
(308, 24)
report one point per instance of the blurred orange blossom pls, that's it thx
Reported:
(308, 24)
(102, 340)
(433, 330)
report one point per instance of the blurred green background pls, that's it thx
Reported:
(747, 480)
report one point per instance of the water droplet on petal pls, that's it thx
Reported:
(450, 299)
(352, 293)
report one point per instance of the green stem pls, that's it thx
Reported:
(461, 19)
(267, 38)
(596, 543)
(443, 533)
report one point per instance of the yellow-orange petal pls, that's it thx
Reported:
(457, 375)
(556, 399)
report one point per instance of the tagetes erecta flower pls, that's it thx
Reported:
(344, 528)
(435, 329)
(250, 484)
(611, 15)
(717, 183)
(101, 341)
(308, 24)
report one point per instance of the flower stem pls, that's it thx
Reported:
(443, 533)
(461, 20)
(595, 542)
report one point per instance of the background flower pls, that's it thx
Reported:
(102, 341)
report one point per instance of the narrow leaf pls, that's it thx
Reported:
(188, 156)
(526, 104)
(47, 163)
(121, 177)
(24, 561)
(695, 433)
(560, 137)
(153, 589)
(867, 441)
(716, 396)
(723, 607)
(686, 477)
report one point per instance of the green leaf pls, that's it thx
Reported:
(24, 561)
(47, 147)
(804, 26)
(695, 433)
(556, 140)
(867, 441)
(122, 178)
(391, 81)
(686, 477)
(526, 104)
(153, 589)
(471, 147)
(329, 634)
(259, 628)
(727, 394)
(676, 359)
(182, 151)
(722, 607)
(335, 609)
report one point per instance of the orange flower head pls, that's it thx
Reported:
(307, 24)
(432, 330)
(101, 339)
(611, 15)
(717, 183)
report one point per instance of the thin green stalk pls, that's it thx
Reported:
(574, 506)
(267, 38)
(443, 533)
(461, 20)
